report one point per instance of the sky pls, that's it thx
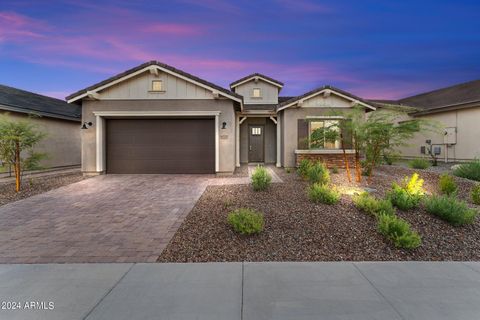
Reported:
(374, 49)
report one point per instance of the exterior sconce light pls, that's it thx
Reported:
(224, 125)
(86, 125)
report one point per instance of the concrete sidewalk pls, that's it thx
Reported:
(329, 290)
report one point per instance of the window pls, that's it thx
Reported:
(324, 134)
(157, 85)
(256, 131)
(256, 93)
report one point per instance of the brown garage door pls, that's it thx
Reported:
(160, 145)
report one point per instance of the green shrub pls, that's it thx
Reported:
(469, 170)
(334, 169)
(246, 221)
(288, 170)
(454, 211)
(366, 167)
(419, 163)
(398, 231)
(390, 158)
(447, 184)
(261, 179)
(372, 205)
(408, 194)
(318, 173)
(322, 193)
(401, 199)
(303, 167)
(476, 194)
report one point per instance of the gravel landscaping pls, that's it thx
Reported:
(36, 185)
(299, 230)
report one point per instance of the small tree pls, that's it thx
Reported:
(384, 133)
(377, 134)
(17, 140)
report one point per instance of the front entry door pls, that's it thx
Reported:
(255, 143)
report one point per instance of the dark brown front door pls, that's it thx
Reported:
(160, 145)
(255, 141)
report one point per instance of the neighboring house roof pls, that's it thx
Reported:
(16, 100)
(253, 76)
(320, 90)
(145, 67)
(464, 95)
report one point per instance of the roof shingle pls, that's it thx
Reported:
(18, 100)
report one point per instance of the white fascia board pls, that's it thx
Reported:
(332, 91)
(149, 68)
(156, 113)
(253, 78)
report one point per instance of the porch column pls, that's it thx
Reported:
(100, 158)
(217, 145)
(279, 142)
(237, 141)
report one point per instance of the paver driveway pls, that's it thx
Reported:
(111, 218)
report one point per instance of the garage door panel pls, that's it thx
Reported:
(160, 146)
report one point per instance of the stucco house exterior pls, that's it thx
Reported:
(155, 118)
(456, 111)
(58, 119)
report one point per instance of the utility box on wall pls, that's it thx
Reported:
(450, 135)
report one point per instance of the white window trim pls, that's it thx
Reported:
(100, 131)
(162, 90)
(259, 93)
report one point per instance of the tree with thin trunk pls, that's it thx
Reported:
(17, 141)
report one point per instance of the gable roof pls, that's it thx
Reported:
(17, 100)
(146, 67)
(462, 93)
(259, 76)
(320, 90)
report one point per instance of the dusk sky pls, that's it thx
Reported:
(374, 49)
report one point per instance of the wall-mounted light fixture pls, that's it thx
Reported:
(86, 125)
(224, 125)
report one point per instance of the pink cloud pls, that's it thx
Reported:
(16, 27)
(175, 29)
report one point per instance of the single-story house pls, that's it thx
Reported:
(58, 119)
(456, 110)
(155, 118)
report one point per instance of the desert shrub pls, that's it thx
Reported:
(408, 194)
(447, 184)
(398, 231)
(476, 194)
(419, 163)
(318, 173)
(470, 170)
(303, 167)
(401, 199)
(334, 169)
(390, 158)
(366, 167)
(246, 221)
(373, 206)
(448, 208)
(323, 193)
(261, 179)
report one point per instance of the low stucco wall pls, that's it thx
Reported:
(62, 143)
(270, 139)
(468, 136)
(227, 136)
